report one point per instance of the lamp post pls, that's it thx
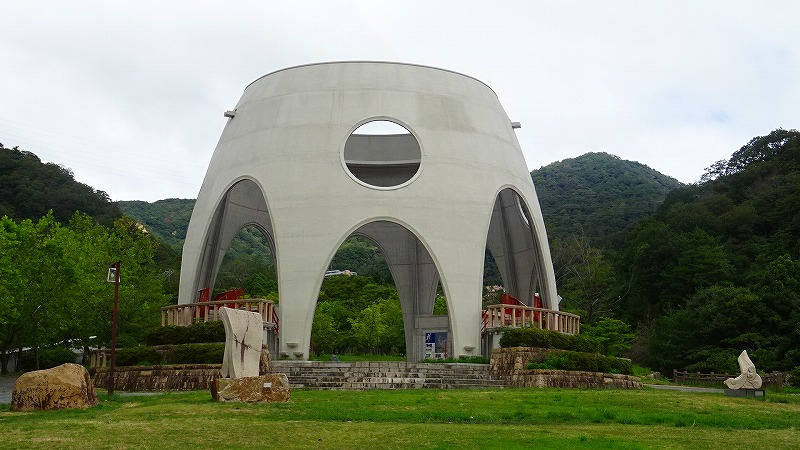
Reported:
(113, 276)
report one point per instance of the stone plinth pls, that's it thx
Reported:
(262, 389)
(510, 365)
(64, 387)
(178, 377)
(752, 393)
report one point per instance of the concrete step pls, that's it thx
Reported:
(385, 375)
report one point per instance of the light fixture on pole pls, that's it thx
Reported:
(113, 277)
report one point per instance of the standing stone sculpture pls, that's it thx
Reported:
(748, 379)
(244, 337)
(241, 362)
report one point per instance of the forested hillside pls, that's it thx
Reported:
(53, 266)
(717, 269)
(598, 196)
(166, 219)
(712, 269)
(30, 188)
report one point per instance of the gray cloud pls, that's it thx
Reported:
(130, 96)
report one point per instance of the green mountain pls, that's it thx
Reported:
(598, 195)
(167, 219)
(30, 188)
(717, 268)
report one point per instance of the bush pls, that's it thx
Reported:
(138, 356)
(49, 357)
(202, 332)
(534, 337)
(210, 353)
(794, 377)
(196, 354)
(587, 362)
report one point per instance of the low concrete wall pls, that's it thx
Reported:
(509, 364)
(181, 377)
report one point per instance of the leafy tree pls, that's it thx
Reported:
(612, 335)
(54, 288)
(369, 328)
(588, 280)
(30, 188)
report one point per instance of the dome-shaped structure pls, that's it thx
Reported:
(433, 196)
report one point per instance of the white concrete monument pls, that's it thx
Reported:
(295, 162)
(243, 338)
(748, 379)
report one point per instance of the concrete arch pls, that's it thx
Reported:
(520, 249)
(287, 133)
(240, 205)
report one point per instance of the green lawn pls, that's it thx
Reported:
(496, 418)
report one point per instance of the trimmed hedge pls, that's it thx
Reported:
(49, 357)
(138, 356)
(794, 378)
(534, 337)
(586, 362)
(196, 354)
(180, 354)
(199, 333)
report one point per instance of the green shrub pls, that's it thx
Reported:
(587, 362)
(138, 356)
(49, 357)
(202, 332)
(534, 337)
(794, 379)
(196, 354)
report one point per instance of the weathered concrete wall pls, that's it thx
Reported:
(509, 364)
(184, 377)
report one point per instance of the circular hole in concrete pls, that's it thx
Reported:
(382, 153)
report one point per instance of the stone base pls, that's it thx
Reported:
(752, 393)
(268, 388)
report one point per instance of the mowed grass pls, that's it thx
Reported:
(495, 418)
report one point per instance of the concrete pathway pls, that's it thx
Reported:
(668, 387)
(6, 388)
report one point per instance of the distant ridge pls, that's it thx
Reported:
(598, 195)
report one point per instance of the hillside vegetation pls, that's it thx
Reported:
(701, 272)
(717, 269)
(598, 195)
(30, 188)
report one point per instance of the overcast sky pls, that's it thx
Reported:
(130, 96)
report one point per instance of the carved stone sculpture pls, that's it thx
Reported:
(244, 336)
(748, 379)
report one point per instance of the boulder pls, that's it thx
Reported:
(268, 388)
(64, 387)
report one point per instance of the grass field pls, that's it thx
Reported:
(495, 418)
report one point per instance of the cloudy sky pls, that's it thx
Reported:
(130, 95)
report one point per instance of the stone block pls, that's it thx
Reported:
(243, 342)
(268, 388)
(64, 387)
(752, 393)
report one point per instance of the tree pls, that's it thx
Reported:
(613, 335)
(588, 281)
(369, 328)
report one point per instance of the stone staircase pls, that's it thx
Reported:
(385, 375)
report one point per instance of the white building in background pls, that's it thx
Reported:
(296, 162)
